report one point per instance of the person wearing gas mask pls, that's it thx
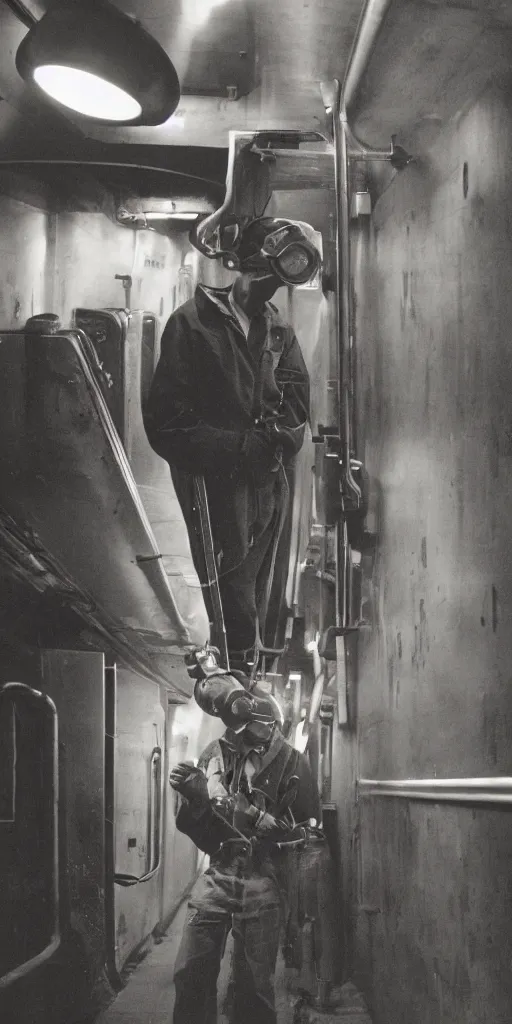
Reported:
(249, 801)
(230, 400)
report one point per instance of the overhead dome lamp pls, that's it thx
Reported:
(93, 59)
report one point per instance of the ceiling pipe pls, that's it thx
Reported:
(370, 24)
(337, 100)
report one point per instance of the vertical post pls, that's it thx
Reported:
(110, 832)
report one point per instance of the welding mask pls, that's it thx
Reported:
(285, 247)
(224, 697)
(265, 245)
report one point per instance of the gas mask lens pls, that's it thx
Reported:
(295, 265)
(291, 253)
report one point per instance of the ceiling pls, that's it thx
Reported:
(430, 57)
(291, 46)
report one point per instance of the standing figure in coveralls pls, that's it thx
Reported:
(246, 804)
(230, 401)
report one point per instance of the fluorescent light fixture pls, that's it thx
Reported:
(173, 215)
(86, 94)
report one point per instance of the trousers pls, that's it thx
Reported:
(251, 907)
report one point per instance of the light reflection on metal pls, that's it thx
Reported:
(301, 737)
(466, 790)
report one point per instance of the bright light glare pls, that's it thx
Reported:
(199, 11)
(312, 646)
(171, 216)
(301, 740)
(86, 93)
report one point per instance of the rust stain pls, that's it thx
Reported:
(424, 552)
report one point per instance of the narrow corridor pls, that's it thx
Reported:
(148, 997)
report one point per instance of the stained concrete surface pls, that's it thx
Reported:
(433, 277)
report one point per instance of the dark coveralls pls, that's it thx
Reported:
(243, 886)
(210, 386)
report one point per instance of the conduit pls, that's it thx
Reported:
(455, 791)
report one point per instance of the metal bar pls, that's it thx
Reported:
(370, 23)
(466, 791)
(110, 831)
(212, 575)
(21, 689)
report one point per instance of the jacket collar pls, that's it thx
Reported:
(219, 297)
(268, 777)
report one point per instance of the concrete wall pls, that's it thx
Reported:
(434, 937)
(23, 262)
(55, 262)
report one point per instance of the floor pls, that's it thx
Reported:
(148, 997)
(149, 994)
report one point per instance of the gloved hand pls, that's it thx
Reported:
(259, 447)
(267, 823)
(289, 438)
(246, 815)
(191, 783)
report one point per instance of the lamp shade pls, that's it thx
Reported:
(94, 60)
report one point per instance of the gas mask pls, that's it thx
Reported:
(267, 245)
(221, 694)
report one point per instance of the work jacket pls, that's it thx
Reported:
(211, 378)
(269, 787)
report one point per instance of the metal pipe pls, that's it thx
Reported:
(370, 23)
(455, 791)
(209, 225)
(110, 831)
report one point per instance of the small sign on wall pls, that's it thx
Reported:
(154, 262)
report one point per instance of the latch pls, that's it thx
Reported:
(341, 488)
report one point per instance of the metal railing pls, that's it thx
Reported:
(494, 791)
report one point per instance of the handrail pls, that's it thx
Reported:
(456, 791)
(7, 690)
(110, 826)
